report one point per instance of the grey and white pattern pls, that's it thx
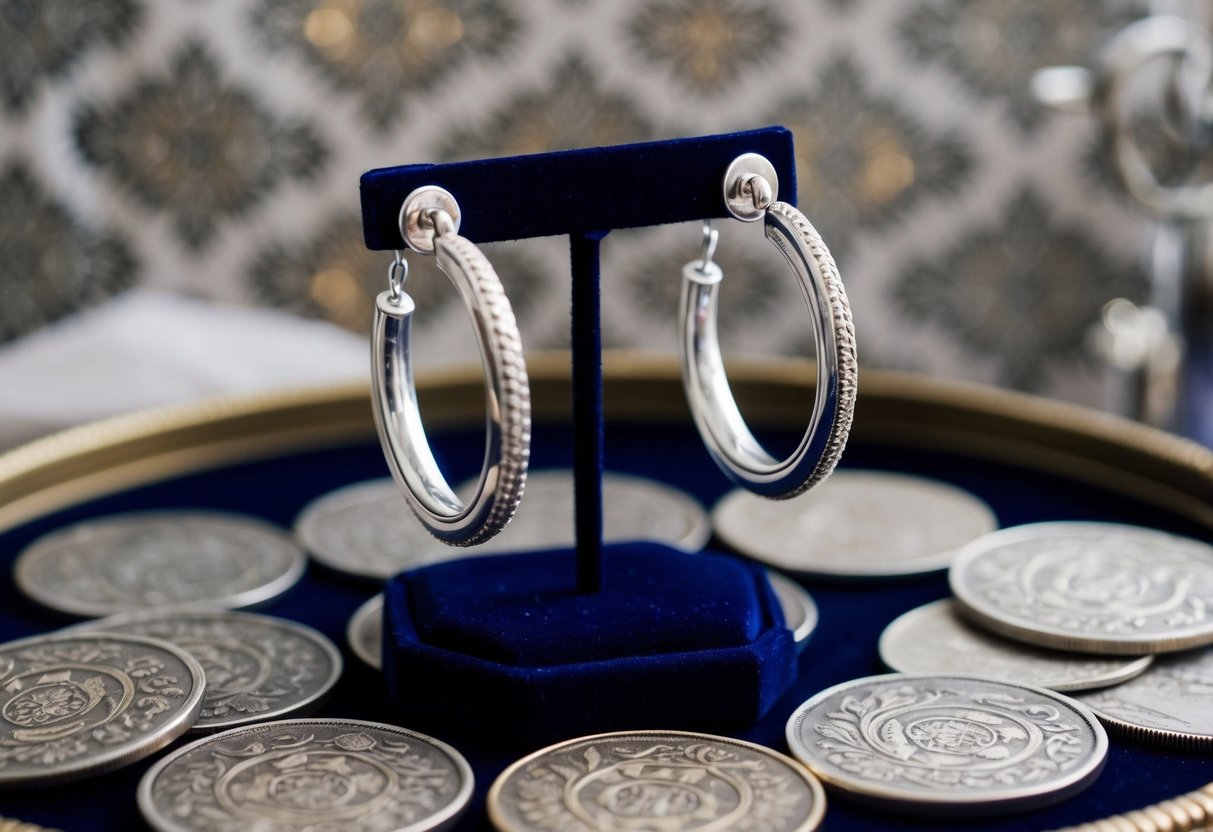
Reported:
(81, 704)
(943, 744)
(209, 144)
(665, 780)
(137, 561)
(1093, 587)
(936, 639)
(257, 668)
(318, 774)
(1168, 705)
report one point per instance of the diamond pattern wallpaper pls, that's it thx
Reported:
(214, 147)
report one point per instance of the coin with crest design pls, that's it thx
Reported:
(308, 774)
(948, 744)
(153, 559)
(856, 524)
(935, 639)
(366, 530)
(257, 667)
(667, 780)
(1089, 587)
(82, 704)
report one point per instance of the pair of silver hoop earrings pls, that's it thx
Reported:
(429, 223)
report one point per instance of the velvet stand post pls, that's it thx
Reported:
(596, 637)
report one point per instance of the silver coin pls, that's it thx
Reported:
(308, 774)
(856, 524)
(365, 632)
(136, 561)
(1171, 704)
(81, 704)
(366, 529)
(799, 609)
(948, 744)
(1090, 587)
(935, 639)
(656, 780)
(257, 668)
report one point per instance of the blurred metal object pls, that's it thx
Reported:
(1159, 357)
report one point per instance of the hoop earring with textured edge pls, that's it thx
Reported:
(429, 223)
(750, 189)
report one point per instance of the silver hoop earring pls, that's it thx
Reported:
(750, 189)
(429, 223)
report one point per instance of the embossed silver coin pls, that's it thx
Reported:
(799, 609)
(366, 529)
(136, 561)
(308, 774)
(948, 744)
(667, 780)
(257, 667)
(81, 704)
(1171, 704)
(935, 639)
(1090, 587)
(365, 632)
(856, 524)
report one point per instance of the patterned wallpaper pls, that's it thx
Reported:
(214, 147)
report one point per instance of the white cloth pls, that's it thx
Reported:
(148, 348)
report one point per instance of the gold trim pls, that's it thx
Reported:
(1079, 444)
(10, 825)
(1190, 812)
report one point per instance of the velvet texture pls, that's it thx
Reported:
(693, 639)
(578, 641)
(843, 647)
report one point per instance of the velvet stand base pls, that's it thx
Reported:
(673, 640)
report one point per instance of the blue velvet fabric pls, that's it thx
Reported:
(698, 640)
(843, 647)
(595, 189)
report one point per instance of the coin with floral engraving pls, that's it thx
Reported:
(367, 530)
(799, 609)
(656, 780)
(74, 705)
(308, 774)
(936, 639)
(136, 561)
(1171, 704)
(856, 524)
(1090, 587)
(365, 632)
(257, 667)
(948, 744)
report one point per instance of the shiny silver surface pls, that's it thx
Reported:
(1171, 704)
(656, 780)
(257, 667)
(799, 609)
(135, 561)
(857, 524)
(361, 529)
(416, 222)
(365, 632)
(308, 775)
(507, 395)
(1089, 587)
(750, 186)
(948, 745)
(75, 705)
(936, 639)
(720, 423)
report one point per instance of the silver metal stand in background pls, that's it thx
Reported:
(1159, 356)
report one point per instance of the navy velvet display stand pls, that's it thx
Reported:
(593, 638)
